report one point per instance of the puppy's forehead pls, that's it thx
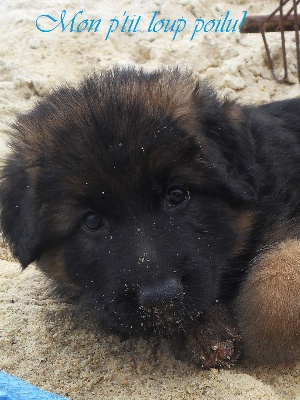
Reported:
(105, 105)
(136, 107)
(115, 125)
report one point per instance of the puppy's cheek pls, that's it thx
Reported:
(268, 305)
(52, 263)
(243, 224)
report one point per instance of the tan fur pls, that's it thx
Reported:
(52, 264)
(244, 223)
(268, 305)
(235, 114)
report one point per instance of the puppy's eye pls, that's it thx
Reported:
(93, 222)
(177, 196)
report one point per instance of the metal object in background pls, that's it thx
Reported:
(277, 21)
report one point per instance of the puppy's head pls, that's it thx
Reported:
(132, 187)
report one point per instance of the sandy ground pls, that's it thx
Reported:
(53, 342)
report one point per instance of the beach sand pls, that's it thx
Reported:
(54, 342)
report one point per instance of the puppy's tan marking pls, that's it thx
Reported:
(234, 113)
(244, 222)
(268, 305)
(52, 264)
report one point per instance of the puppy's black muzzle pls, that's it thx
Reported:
(162, 297)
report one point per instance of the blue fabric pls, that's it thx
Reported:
(12, 388)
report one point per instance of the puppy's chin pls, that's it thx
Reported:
(146, 323)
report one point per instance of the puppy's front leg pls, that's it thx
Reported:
(213, 343)
(268, 306)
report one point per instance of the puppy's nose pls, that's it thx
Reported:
(162, 295)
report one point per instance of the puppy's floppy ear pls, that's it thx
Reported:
(18, 213)
(230, 147)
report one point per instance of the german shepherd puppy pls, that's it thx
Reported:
(175, 211)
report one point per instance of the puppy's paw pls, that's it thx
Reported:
(213, 347)
(214, 343)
